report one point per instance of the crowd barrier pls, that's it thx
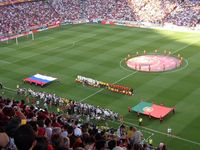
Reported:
(33, 29)
(9, 2)
(165, 26)
(6, 38)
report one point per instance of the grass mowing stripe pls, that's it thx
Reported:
(84, 99)
(183, 139)
(104, 47)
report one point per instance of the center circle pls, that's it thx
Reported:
(154, 63)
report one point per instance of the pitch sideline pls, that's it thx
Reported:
(149, 129)
(162, 133)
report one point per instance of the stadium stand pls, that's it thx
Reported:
(20, 17)
(93, 9)
(159, 9)
(39, 128)
(31, 127)
(186, 14)
(68, 9)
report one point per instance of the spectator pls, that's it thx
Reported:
(162, 146)
(42, 144)
(58, 142)
(23, 17)
(25, 138)
(4, 140)
(131, 132)
(111, 144)
(121, 132)
(137, 137)
(48, 128)
(88, 135)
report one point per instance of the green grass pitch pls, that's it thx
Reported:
(96, 51)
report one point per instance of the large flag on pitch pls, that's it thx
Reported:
(40, 79)
(151, 109)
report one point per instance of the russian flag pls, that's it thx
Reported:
(39, 79)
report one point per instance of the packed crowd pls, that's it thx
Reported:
(28, 127)
(186, 14)
(21, 17)
(152, 10)
(67, 105)
(178, 12)
(93, 9)
(67, 9)
(108, 9)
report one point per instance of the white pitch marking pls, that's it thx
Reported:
(103, 89)
(184, 47)
(125, 77)
(172, 136)
(134, 72)
(91, 95)
(149, 129)
(144, 131)
(124, 68)
(178, 69)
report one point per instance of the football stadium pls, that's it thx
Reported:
(99, 75)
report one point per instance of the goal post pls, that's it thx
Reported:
(33, 37)
(21, 36)
(17, 38)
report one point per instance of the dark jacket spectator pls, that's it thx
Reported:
(25, 138)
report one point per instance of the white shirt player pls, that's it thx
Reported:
(169, 131)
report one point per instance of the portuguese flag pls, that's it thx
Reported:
(150, 109)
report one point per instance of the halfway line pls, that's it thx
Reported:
(134, 72)
(103, 89)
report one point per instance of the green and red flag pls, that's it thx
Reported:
(150, 109)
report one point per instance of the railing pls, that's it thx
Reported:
(11, 2)
(165, 26)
